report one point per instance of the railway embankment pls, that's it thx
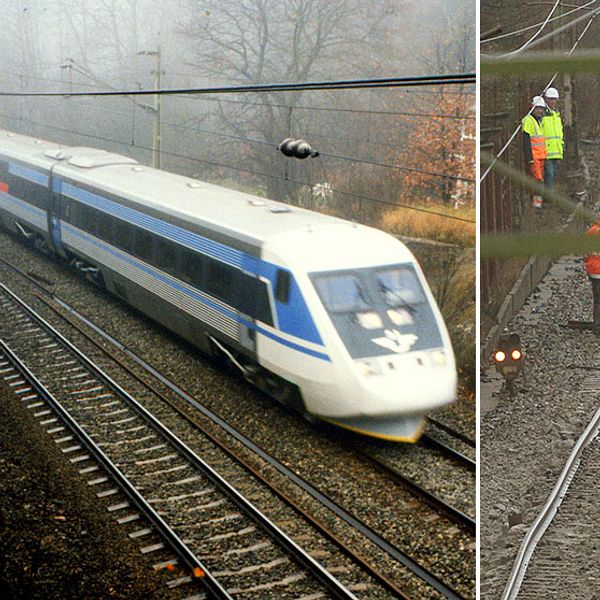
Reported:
(54, 541)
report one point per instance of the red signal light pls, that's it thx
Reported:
(499, 356)
(516, 354)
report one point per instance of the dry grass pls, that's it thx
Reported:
(438, 227)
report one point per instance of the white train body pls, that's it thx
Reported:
(330, 316)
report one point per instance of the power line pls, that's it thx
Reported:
(276, 105)
(392, 82)
(272, 144)
(554, 33)
(215, 164)
(524, 29)
(529, 42)
(516, 131)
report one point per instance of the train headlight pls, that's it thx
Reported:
(439, 358)
(369, 367)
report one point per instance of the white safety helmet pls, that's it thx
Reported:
(551, 93)
(538, 101)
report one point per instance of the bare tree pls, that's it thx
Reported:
(273, 41)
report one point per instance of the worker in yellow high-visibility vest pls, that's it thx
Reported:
(534, 144)
(553, 133)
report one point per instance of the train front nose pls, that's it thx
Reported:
(415, 383)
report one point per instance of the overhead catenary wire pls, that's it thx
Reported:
(563, 28)
(241, 169)
(274, 143)
(273, 104)
(530, 41)
(525, 29)
(391, 82)
(517, 129)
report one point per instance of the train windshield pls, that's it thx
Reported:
(379, 311)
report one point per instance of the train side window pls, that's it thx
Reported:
(89, 219)
(190, 268)
(165, 255)
(282, 286)
(40, 194)
(65, 209)
(219, 280)
(104, 227)
(76, 214)
(124, 235)
(143, 245)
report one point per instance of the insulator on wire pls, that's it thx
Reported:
(297, 148)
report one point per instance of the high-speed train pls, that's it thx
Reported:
(330, 317)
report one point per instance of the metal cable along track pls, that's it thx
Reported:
(540, 525)
(322, 575)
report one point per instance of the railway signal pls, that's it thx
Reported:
(297, 148)
(508, 357)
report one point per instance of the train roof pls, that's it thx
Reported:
(253, 218)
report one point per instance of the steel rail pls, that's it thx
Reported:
(396, 553)
(372, 536)
(543, 520)
(449, 451)
(326, 531)
(198, 569)
(457, 434)
(428, 497)
(316, 569)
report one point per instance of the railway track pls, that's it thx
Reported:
(581, 471)
(60, 306)
(152, 466)
(391, 471)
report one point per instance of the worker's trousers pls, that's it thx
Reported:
(550, 168)
(536, 169)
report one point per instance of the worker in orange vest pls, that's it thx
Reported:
(534, 143)
(592, 268)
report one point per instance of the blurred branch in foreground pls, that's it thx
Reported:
(542, 62)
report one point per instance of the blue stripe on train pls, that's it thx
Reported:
(293, 318)
(229, 313)
(29, 174)
(167, 230)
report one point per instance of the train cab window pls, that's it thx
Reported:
(282, 286)
(143, 245)
(400, 287)
(165, 255)
(219, 280)
(252, 299)
(342, 293)
(124, 236)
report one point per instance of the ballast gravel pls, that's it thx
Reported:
(526, 439)
(313, 451)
